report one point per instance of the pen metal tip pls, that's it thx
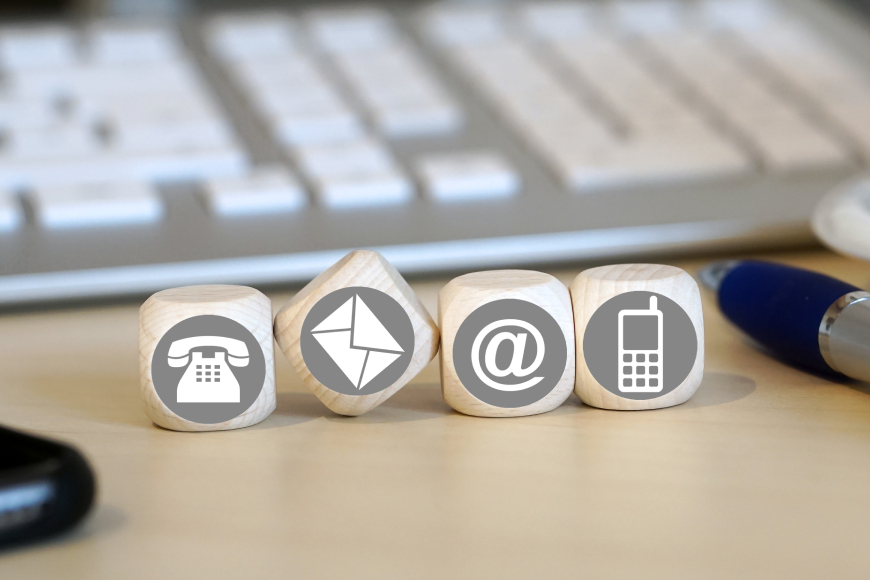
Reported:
(713, 273)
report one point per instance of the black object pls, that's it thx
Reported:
(45, 488)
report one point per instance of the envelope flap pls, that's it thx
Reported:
(368, 332)
(341, 319)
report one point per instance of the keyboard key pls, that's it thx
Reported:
(351, 29)
(419, 119)
(11, 215)
(315, 100)
(68, 141)
(28, 173)
(184, 164)
(103, 81)
(46, 85)
(399, 88)
(116, 42)
(653, 358)
(164, 166)
(265, 190)
(182, 136)
(626, 370)
(335, 125)
(96, 204)
(588, 169)
(466, 176)
(160, 109)
(353, 158)
(373, 189)
(283, 74)
(627, 358)
(38, 47)
(653, 370)
(251, 36)
(640, 358)
(23, 113)
(561, 19)
(432, 118)
(799, 147)
(649, 15)
(463, 25)
(737, 14)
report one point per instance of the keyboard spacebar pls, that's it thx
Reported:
(157, 167)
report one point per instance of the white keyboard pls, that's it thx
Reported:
(255, 147)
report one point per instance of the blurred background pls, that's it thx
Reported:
(150, 144)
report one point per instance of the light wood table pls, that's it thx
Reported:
(763, 474)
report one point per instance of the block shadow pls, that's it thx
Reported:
(292, 408)
(859, 386)
(412, 403)
(721, 389)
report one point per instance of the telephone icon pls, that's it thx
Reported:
(640, 349)
(208, 380)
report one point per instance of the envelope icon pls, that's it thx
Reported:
(356, 340)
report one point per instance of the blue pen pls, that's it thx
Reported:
(816, 321)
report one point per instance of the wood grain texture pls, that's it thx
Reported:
(592, 288)
(465, 294)
(165, 309)
(367, 269)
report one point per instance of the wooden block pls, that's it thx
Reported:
(508, 343)
(357, 333)
(206, 358)
(640, 336)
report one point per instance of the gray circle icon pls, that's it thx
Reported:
(357, 341)
(510, 353)
(640, 345)
(208, 369)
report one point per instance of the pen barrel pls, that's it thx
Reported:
(782, 308)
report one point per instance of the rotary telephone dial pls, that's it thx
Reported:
(208, 380)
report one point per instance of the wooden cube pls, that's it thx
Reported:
(507, 343)
(640, 336)
(357, 333)
(206, 358)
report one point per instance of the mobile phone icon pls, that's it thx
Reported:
(640, 349)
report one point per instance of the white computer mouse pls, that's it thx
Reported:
(841, 220)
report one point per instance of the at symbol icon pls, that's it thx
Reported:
(515, 367)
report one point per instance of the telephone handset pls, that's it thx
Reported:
(208, 379)
(179, 351)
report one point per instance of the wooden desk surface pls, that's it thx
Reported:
(763, 474)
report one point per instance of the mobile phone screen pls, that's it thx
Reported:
(640, 333)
